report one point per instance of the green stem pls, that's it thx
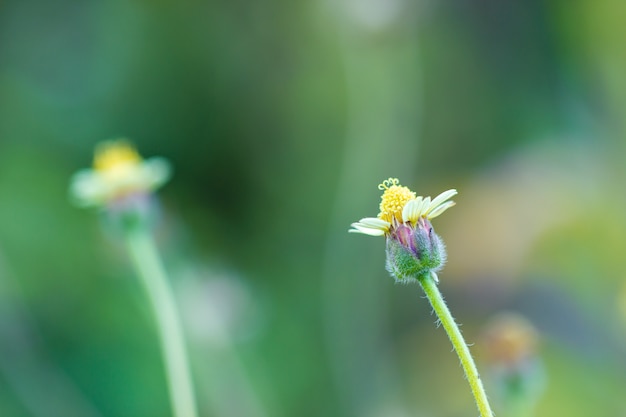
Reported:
(150, 269)
(439, 305)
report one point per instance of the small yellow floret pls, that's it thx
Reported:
(115, 154)
(393, 199)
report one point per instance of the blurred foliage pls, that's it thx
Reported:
(279, 119)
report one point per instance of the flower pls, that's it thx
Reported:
(399, 205)
(413, 248)
(510, 339)
(118, 173)
(510, 343)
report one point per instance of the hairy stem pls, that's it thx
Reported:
(150, 269)
(428, 283)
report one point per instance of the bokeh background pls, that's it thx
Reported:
(280, 118)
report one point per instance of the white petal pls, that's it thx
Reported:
(410, 212)
(446, 195)
(423, 207)
(366, 230)
(442, 207)
(87, 188)
(417, 207)
(157, 171)
(375, 223)
(372, 226)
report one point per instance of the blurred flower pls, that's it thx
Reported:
(118, 173)
(510, 342)
(509, 339)
(122, 182)
(413, 248)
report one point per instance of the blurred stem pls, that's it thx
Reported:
(384, 64)
(518, 407)
(150, 269)
(429, 285)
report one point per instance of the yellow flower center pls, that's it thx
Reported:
(110, 156)
(393, 199)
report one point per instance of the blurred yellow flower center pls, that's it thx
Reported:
(113, 155)
(393, 199)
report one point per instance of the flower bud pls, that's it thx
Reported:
(413, 247)
(414, 250)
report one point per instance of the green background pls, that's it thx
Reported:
(279, 119)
